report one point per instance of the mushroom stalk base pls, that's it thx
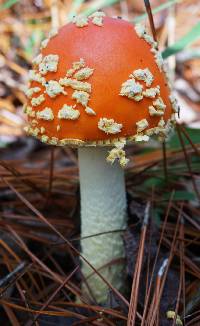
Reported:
(103, 209)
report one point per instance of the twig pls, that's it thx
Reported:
(189, 139)
(151, 319)
(156, 259)
(150, 16)
(9, 277)
(188, 162)
(137, 273)
(47, 303)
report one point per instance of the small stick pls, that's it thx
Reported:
(187, 160)
(153, 30)
(189, 139)
(138, 266)
(50, 299)
(18, 269)
(150, 16)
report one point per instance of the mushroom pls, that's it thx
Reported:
(100, 83)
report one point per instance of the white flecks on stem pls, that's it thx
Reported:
(109, 126)
(118, 153)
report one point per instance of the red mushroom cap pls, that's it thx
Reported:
(99, 80)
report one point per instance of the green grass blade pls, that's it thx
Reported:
(191, 37)
(75, 8)
(8, 4)
(164, 6)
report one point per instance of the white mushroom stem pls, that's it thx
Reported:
(103, 209)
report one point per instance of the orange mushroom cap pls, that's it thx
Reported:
(98, 83)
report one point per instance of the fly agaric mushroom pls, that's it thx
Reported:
(100, 82)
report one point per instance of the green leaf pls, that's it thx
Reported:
(165, 5)
(154, 182)
(192, 36)
(157, 215)
(179, 195)
(174, 142)
(8, 4)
